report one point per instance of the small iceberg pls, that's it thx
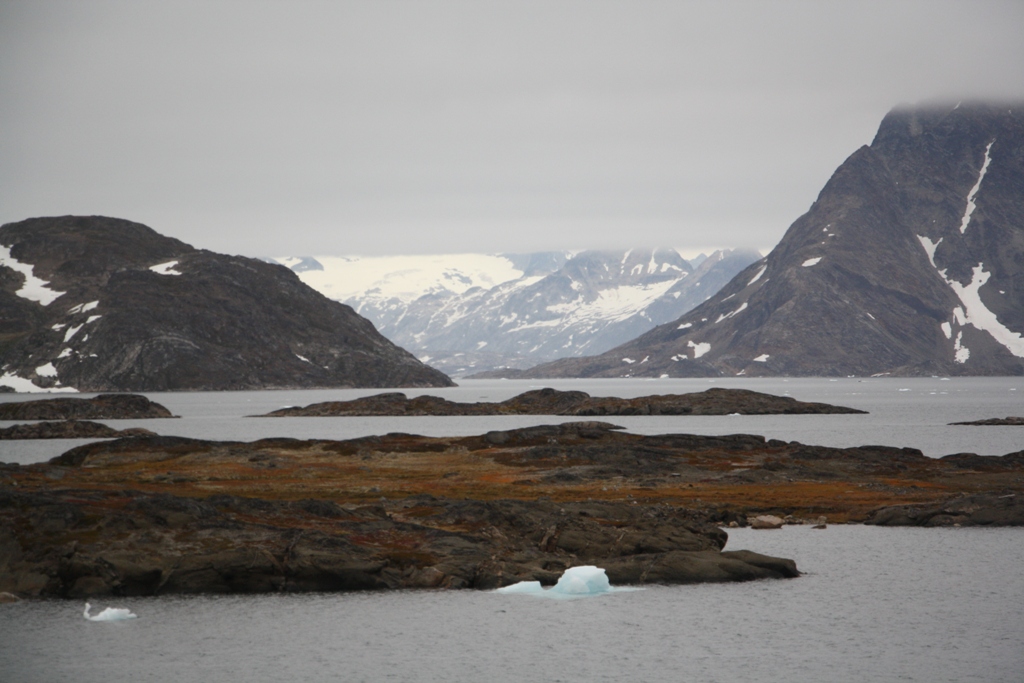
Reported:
(575, 582)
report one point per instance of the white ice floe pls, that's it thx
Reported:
(72, 331)
(758, 276)
(763, 358)
(26, 386)
(971, 206)
(699, 349)
(167, 268)
(575, 582)
(811, 262)
(35, 289)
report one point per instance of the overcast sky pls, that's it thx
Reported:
(279, 128)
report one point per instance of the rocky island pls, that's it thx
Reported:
(102, 407)
(995, 422)
(571, 403)
(68, 429)
(157, 515)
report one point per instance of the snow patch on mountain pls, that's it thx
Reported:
(971, 206)
(34, 288)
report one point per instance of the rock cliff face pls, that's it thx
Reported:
(910, 262)
(102, 304)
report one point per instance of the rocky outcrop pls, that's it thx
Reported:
(715, 401)
(995, 422)
(103, 304)
(102, 407)
(975, 510)
(68, 429)
(78, 544)
(908, 263)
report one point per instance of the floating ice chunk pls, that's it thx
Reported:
(165, 268)
(46, 370)
(35, 289)
(763, 358)
(699, 349)
(575, 582)
(523, 587)
(811, 262)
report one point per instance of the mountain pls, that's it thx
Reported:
(103, 304)
(910, 262)
(470, 312)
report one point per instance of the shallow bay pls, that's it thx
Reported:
(874, 604)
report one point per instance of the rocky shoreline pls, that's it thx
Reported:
(548, 401)
(156, 515)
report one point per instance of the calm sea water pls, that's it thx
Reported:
(874, 605)
(902, 412)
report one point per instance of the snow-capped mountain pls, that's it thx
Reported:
(467, 313)
(910, 262)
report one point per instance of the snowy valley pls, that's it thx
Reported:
(470, 313)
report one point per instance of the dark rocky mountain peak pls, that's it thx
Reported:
(103, 304)
(910, 262)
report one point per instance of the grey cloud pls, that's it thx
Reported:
(351, 127)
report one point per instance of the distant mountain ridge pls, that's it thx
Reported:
(104, 304)
(910, 262)
(469, 313)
